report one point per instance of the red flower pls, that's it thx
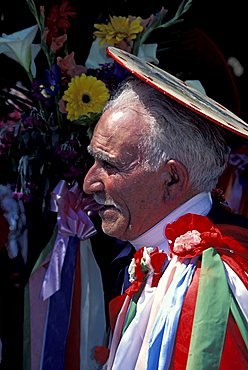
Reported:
(57, 21)
(136, 272)
(145, 262)
(157, 262)
(139, 273)
(133, 288)
(191, 234)
(101, 354)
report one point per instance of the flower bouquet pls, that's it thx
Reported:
(46, 124)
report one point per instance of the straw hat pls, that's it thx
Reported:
(180, 91)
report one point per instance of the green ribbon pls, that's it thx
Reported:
(133, 307)
(130, 315)
(211, 314)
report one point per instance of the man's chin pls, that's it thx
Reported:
(112, 229)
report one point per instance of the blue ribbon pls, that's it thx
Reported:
(59, 313)
(163, 335)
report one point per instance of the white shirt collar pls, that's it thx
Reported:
(200, 204)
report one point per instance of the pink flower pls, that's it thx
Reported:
(186, 242)
(191, 234)
(17, 195)
(58, 42)
(15, 115)
(62, 106)
(69, 67)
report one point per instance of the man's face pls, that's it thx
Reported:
(132, 198)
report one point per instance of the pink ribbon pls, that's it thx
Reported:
(72, 221)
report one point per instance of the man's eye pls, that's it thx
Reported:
(108, 166)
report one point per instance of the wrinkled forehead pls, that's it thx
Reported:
(121, 125)
(117, 133)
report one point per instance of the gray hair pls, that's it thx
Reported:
(172, 131)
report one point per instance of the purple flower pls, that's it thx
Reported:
(37, 89)
(52, 80)
(17, 195)
(31, 120)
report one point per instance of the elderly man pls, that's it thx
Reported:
(156, 163)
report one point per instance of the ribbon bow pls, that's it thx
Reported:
(72, 221)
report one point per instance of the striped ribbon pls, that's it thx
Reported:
(211, 314)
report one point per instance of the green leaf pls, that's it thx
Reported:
(182, 9)
(87, 120)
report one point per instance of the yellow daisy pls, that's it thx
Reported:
(118, 29)
(85, 95)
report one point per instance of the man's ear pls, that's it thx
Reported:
(177, 178)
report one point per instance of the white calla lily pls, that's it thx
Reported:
(196, 84)
(35, 48)
(148, 53)
(97, 55)
(18, 46)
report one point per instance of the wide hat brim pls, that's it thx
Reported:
(180, 91)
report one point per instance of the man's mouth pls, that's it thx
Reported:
(104, 203)
(107, 210)
(106, 206)
(92, 207)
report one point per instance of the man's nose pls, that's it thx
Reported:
(92, 181)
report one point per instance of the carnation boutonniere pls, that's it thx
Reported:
(101, 354)
(191, 234)
(146, 262)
